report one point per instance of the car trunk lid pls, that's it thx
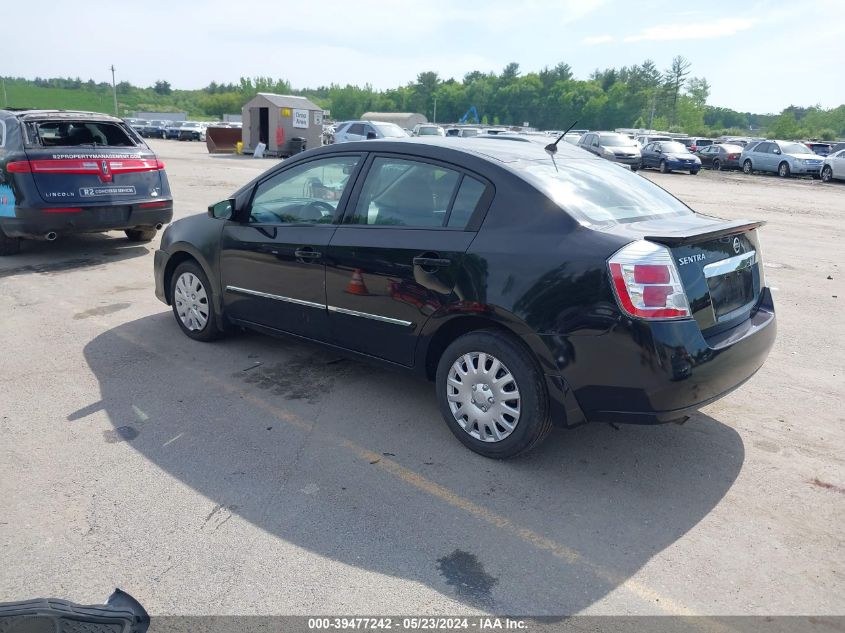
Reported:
(718, 262)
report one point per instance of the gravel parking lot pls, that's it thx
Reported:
(265, 476)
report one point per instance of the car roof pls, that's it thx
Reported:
(34, 114)
(501, 152)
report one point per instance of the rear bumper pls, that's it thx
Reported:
(37, 222)
(651, 372)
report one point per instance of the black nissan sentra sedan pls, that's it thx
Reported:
(67, 172)
(533, 289)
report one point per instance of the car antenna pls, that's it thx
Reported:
(551, 148)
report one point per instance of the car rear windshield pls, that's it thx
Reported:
(597, 192)
(73, 133)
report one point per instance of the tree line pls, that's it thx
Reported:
(640, 96)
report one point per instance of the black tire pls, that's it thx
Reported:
(693, 172)
(827, 174)
(783, 170)
(140, 235)
(747, 167)
(9, 245)
(212, 329)
(663, 168)
(717, 165)
(533, 424)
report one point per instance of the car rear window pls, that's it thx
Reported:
(597, 192)
(75, 133)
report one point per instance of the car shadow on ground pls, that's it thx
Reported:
(353, 462)
(71, 252)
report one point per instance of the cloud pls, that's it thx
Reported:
(693, 31)
(598, 39)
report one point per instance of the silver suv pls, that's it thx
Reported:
(366, 130)
(614, 147)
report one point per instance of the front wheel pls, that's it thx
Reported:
(746, 167)
(492, 394)
(9, 245)
(663, 168)
(827, 174)
(783, 170)
(693, 172)
(140, 235)
(191, 297)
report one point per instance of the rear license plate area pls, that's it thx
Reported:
(731, 285)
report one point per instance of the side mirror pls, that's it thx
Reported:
(223, 210)
(371, 136)
(777, 151)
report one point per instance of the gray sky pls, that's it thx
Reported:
(758, 56)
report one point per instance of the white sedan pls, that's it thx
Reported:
(834, 166)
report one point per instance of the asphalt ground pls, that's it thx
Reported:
(266, 476)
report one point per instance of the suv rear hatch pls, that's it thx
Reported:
(718, 262)
(90, 162)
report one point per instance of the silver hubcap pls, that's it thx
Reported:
(783, 170)
(191, 302)
(826, 174)
(483, 396)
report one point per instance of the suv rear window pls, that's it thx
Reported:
(76, 133)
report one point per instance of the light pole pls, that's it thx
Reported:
(114, 90)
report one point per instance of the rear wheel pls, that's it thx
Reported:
(492, 394)
(717, 165)
(192, 300)
(783, 170)
(9, 245)
(663, 168)
(746, 167)
(827, 174)
(140, 235)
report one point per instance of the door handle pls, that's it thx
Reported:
(431, 262)
(307, 253)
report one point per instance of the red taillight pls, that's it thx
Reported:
(647, 283)
(651, 274)
(19, 167)
(63, 210)
(733, 156)
(153, 205)
(159, 164)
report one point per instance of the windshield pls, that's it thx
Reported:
(390, 130)
(794, 148)
(429, 131)
(616, 140)
(595, 192)
(673, 148)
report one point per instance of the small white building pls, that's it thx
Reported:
(276, 120)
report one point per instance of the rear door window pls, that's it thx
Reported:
(356, 128)
(400, 192)
(78, 133)
(469, 195)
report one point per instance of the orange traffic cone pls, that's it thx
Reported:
(356, 284)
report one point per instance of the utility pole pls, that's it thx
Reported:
(435, 110)
(114, 90)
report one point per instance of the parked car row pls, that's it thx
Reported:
(179, 130)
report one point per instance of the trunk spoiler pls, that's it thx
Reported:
(691, 236)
